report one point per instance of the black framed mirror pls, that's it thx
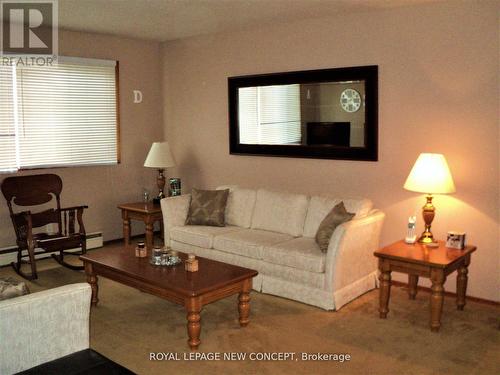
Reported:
(327, 114)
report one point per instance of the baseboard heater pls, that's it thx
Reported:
(9, 254)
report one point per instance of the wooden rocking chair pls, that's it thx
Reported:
(38, 190)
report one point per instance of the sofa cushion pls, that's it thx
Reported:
(302, 253)
(319, 207)
(248, 242)
(207, 207)
(280, 212)
(199, 235)
(240, 205)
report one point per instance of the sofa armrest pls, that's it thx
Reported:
(175, 211)
(43, 326)
(350, 252)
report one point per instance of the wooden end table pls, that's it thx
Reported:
(149, 213)
(419, 260)
(214, 281)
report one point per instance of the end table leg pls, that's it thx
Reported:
(385, 288)
(149, 234)
(193, 307)
(412, 286)
(437, 298)
(462, 284)
(244, 303)
(92, 280)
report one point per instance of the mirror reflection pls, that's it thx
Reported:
(310, 114)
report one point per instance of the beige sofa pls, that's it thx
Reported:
(44, 326)
(273, 233)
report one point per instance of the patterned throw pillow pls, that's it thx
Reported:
(10, 288)
(207, 207)
(337, 216)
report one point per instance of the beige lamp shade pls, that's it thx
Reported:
(159, 156)
(430, 175)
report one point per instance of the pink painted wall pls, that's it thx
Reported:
(438, 92)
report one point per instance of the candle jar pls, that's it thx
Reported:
(165, 261)
(191, 264)
(174, 257)
(156, 256)
(140, 250)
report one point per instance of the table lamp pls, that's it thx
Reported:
(430, 175)
(160, 157)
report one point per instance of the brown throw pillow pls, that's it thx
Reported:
(208, 207)
(337, 216)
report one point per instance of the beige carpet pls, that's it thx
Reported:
(128, 325)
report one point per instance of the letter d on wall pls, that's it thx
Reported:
(137, 96)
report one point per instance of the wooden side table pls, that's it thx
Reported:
(149, 213)
(419, 260)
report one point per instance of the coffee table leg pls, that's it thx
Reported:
(385, 288)
(193, 308)
(92, 280)
(412, 286)
(462, 284)
(437, 298)
(244, 303)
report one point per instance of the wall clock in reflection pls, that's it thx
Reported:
(350, 100)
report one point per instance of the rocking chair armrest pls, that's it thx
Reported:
(73, 208)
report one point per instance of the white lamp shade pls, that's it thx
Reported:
(159, 156)
(430, 175)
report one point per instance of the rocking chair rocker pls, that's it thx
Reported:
(38, 190)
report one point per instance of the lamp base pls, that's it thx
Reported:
(426, 238)
(428, 212)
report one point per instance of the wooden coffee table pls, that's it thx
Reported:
(214, 281)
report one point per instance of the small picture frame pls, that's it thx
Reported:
(455, 240)
(175, 186)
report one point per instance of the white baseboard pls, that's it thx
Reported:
(94, 240)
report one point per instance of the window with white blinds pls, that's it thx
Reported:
(60, 115)
(269, 114)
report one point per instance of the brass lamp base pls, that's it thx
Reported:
(428, 213)
(160, 181)
(426, 238)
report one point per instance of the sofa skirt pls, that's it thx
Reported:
(325, 299)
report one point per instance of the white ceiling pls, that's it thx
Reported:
(163, 20)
